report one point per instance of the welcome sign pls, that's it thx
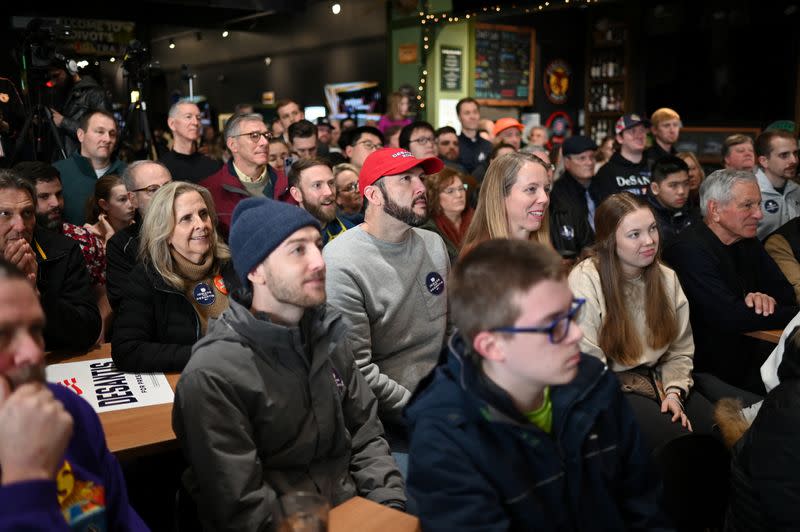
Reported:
(107, 389)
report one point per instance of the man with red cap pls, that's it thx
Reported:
(509, 130)
(387, 277)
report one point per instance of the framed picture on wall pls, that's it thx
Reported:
(504, 64)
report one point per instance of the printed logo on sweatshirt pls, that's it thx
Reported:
(337, 379)
(435, 283)
(83, 503)
(771, 206)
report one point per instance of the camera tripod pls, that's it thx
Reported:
(136, 121)
(38, 116)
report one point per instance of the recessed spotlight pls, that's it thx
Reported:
(225, 33)
(336, 8)
(172, 44)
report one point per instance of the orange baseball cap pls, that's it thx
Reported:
(505, 123)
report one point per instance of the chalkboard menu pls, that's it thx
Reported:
(504, 64)
(707, 142)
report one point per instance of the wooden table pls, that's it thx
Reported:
(134, 431)
(773, 336)
(366, 516)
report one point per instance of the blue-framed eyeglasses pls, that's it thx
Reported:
(557, 330)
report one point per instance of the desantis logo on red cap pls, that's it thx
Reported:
(402, 154)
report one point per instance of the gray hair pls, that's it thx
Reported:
(233, 124)
(128, 174)
(719, 186)
(12, 180)
(173, 111)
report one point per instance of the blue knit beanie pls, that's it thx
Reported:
(258, 226)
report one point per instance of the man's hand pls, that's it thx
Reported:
(761, 303)
(57, 117)
(19, 253)
(34, 432)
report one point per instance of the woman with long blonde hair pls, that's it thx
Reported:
(636, 319)
(182, 280)
(513, 203)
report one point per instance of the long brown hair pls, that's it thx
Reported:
(102, 191)
(490, 219)
(618, 337)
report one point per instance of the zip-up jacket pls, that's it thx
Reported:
(156, 324)
(228, 191)
(777, 208)
(73, 321)
(570, 231)
(477, 463)
(263, 409)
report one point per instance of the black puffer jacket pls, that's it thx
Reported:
(73, 321)
(156, 325)
(766, 465)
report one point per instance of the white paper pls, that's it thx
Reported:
(447, 114)
(107, 389)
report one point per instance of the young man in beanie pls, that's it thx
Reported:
(571, 206)
(388, 279)
(271, 401)
(627, 170)
(518, 430)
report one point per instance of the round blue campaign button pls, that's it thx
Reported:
(435, 283)
(771, 206)
(204, 294)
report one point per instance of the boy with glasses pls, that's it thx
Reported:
(518, 430)
(359, 143)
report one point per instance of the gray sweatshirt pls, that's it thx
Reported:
(394, 296)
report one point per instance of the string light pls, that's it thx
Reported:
(432, 22)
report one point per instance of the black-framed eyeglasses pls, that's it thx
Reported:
(369, 145)
(151, 189)
(557, 330)
(255, 136)
(423, 141)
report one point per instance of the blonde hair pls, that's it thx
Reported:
(491, 219)
(662, 115)
(393, 108)
(159, 223)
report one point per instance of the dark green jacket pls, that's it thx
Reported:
(78, 179)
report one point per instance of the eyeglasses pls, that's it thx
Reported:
(455, 190)
(255, 136)
(352, 187)
(423, 141)
(368, 144)
(557, 330)
(151, 189)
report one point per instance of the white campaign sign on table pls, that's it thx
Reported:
(107, 389)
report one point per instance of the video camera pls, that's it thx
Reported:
(136, 62)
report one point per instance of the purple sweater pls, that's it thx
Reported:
(89, 489)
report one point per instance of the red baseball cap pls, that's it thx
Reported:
(392, 161)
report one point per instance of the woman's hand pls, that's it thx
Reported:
(672, 404)
(101, 229)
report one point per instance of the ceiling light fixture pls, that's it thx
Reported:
(336, 8)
